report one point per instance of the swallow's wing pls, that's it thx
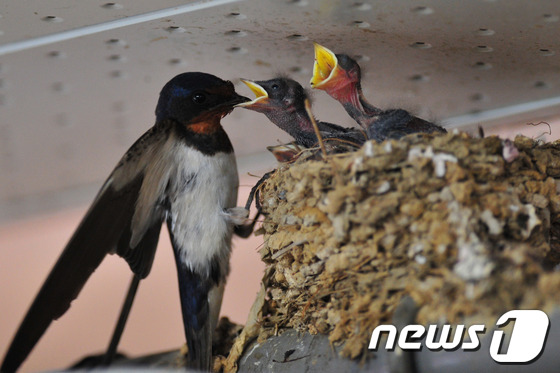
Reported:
(106, 228)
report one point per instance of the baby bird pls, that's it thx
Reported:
(282, 100)
(340, 76)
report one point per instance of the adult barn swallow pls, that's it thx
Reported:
(181, 171)
(282, 100)
(340, 76)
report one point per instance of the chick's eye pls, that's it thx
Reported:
(275, 86)
(199, 98)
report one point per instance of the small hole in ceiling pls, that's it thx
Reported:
(550, 17)
(361, 24)
(237, 50)
(423, 10)
(56, 54)
(484, 48)
(176, 30)
(419, 78)
(361, 6)
(53, 19)
(478, 97)
(541, 84)
(482, 65)
(484, 31)
(112, 6)
(298, 37)
(237, 15)
(237, 33)
(299, 2)
(116, 42)
(116, 58)
(177, 62)
(546, 52)
(420, 45)
(60, 87)
(117, 74)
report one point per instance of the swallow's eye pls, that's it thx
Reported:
(275, 87)
(199, 98)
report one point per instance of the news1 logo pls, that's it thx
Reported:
(527, 339)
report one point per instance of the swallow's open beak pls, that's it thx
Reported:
(260, 93)
(325, 68)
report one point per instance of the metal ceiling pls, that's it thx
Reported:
(79, 80)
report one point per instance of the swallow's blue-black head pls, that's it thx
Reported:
(195, 97)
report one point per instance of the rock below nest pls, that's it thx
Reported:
(466, 227)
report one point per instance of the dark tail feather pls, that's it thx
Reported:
(196, 316)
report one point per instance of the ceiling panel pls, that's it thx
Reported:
(71, 105)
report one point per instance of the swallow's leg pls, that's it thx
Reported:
(121, 322)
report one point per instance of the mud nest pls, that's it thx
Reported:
(467, 227)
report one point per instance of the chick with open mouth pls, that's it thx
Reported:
(340, 76)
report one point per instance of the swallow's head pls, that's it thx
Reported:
(275, 95)
(196, 97)
(334, 72)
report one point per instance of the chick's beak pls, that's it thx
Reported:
(260, 93)
(325, 67)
